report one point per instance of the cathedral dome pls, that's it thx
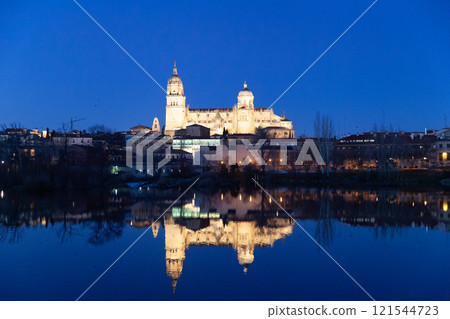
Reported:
(245, 98)
(245, 91)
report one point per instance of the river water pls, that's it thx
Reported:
(232, 245)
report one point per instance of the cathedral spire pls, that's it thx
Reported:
(174, 285)
(175, 68)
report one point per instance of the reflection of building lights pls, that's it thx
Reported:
(425, 203)
(281, 199)
(240, 197)
(413, 204)
(444, 156)
(2, 194)
(221, 196)
(270, 199)
(445, 207)
(250, 197)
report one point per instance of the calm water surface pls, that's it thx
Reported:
(233, 245)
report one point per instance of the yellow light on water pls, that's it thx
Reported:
(445, 206)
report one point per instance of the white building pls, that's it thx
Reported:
(242, 118)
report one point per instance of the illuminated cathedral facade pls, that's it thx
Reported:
(242, 118)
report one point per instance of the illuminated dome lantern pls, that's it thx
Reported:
(245, 97)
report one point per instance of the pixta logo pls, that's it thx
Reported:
(140, 151)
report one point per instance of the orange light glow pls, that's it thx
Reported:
(445, 207)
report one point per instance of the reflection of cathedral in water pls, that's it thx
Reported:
(239, 221)
(233, 218)
(243, 236)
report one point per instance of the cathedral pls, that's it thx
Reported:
(242, 118)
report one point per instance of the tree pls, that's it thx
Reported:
(99, 128)
(324, 131)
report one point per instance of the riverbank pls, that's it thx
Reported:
(76, 179)
(424, 180)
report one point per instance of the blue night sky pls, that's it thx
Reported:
(55, 63)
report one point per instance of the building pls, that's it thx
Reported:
(72, 138)
(383, 150)
(241, 118)
(243, 235)
(140, 129)
(442, 148)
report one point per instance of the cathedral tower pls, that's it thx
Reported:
(175, 239)
(245, 111)
(175, 104)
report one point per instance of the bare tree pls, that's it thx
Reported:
(99, 128)
(11, 125)
(324, 131)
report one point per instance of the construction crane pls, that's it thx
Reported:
(73, 120)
